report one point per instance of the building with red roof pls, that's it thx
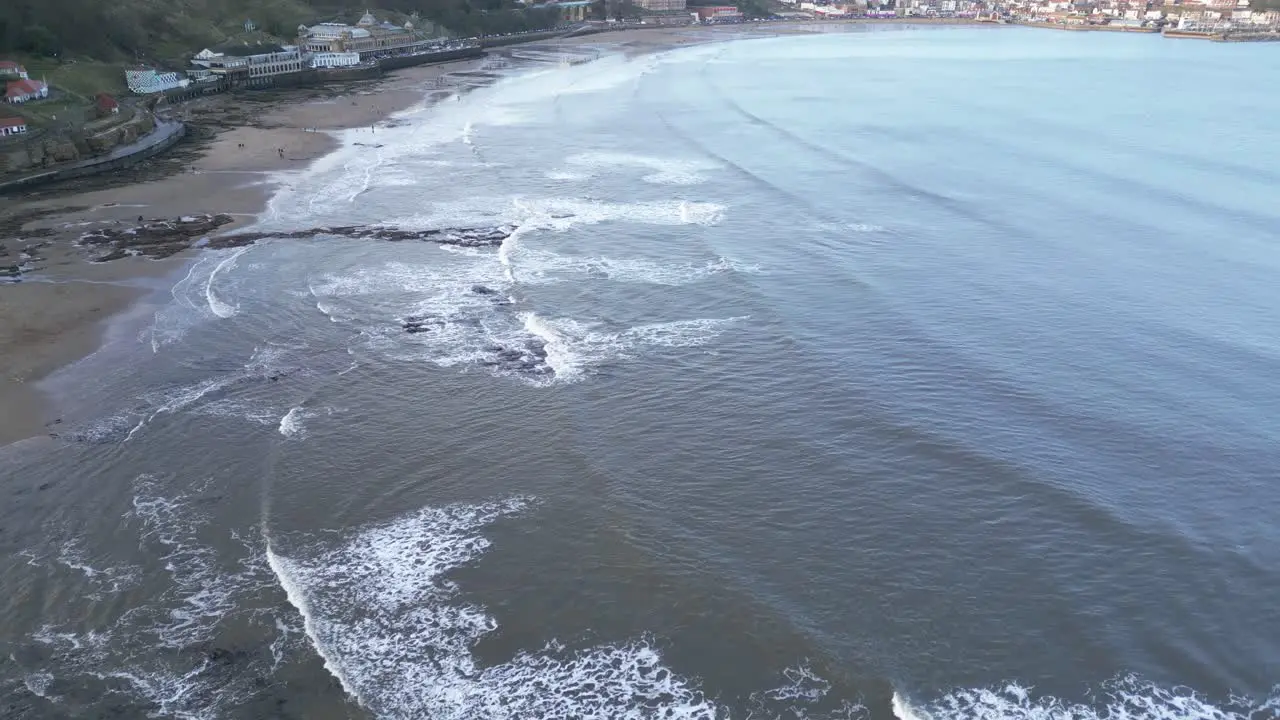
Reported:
(106, 104)
(12, 126)
(12, 70)
(20, 91)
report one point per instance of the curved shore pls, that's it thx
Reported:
(56, 314)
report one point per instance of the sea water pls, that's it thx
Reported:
(925, 373)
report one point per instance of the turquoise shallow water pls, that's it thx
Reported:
(915, 372)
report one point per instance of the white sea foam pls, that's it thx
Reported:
(265, 362)
(202, 593)
(560, 357)
(158, 650)
(391, 628)
(216, 305)
(465, 326)
(663, 170)
(573, 347)
(175, 400)
(170, 323)
(106, 579)
(566, 176)
(803, 695)
(509, 245)
(467, 251)
(291, 423)
(253, 412)
(560, 213)
(1128, 697)
(802, 684)
(540, 266)
(38, 683)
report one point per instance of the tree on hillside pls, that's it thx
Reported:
(118, 30)
(755, 8)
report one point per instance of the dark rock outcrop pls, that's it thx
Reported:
(154, 239)
(162, 238)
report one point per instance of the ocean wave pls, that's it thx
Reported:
(38, 683)
(560, 213)
(469, 312)
(1124, 697)
(541, 266)
(293, 423)
(663, 170)
(249, 411)
(217, 305)
(573, 348)
(105, 579)
(163, 651)
(263, 364)
(391, 628)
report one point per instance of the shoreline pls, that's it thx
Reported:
(59, 310)
(245, 147)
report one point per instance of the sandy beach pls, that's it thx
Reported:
(55, 315)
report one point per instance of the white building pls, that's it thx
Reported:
(367, 37)
(661, 5)
(11, 70)
(12, 126)
(288, 60)
(21, 91)
(144, 81)
(334, 59)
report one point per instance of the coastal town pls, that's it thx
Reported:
(50, 132)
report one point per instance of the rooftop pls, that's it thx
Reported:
(335, 30)
(23, 87)
(12, 122)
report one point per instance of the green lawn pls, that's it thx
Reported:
(54, 111)
(85, 78)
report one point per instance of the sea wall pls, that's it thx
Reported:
(349, 74)
(404, 61)
(95, 139)
(166, 135)
(521, 38)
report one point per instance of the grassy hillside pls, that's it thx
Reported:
(118, 31)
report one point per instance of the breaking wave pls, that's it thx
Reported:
(1125, 698)
(662, 170)
(164, 652)
(391, 628)
(291, 423)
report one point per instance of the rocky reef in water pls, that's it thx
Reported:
(154, 239)
(162, 238)
(524, 356)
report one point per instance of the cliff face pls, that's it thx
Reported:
(43, 151)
